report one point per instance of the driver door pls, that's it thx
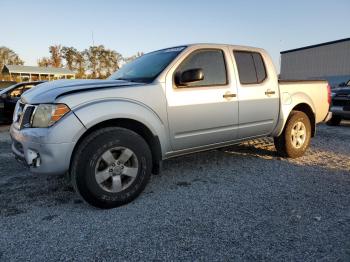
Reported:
(204, 112)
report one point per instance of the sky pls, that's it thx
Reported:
(129, 26)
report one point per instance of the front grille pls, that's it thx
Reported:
(22, 114)
(25, 121)
(18, 112)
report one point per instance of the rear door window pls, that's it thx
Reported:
(251, 67)
(259, 67)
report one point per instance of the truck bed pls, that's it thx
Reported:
(316, 90)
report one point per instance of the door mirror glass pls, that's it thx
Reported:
(189, 76)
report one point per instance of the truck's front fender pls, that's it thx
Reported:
(98, 111)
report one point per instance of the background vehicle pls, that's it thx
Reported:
(9, 97)
(5, 84)
(340, 105)
(345, 84)
(111, 134)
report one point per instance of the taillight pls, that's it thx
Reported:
(329, 94)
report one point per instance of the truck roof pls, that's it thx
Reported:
(240, 47)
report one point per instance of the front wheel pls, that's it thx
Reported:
(296, 136)
(111, 167)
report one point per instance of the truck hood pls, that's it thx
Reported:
(48, 92)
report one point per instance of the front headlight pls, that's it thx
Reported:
(15, 112)
(46, 115)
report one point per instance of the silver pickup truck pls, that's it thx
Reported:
(110, 135)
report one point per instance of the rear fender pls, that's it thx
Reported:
(288, 103)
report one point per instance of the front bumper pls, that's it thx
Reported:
(47, 150)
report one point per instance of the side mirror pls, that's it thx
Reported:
(189, 76)
(3, 96)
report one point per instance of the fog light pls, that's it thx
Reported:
(33, 158)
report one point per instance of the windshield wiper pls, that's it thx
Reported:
(126, 79)
(121, 78)
(130, 80)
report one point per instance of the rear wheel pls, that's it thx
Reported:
(111, 167)
(334, 121)
(296, 136)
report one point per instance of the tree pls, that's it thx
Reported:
(56, 55)
(55, 59)
(69, 54)
(101, 62)
(91, 56)
(9, 57)
(74, 60)
(94, 62)
(112, 62)
(132, 58)
(44, 62)
(80, 65)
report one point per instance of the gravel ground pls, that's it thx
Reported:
(236, 203)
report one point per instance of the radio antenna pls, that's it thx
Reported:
(92, 37)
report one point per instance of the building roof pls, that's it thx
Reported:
(318, 45)
(36, 70)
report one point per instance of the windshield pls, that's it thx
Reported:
(147, 67)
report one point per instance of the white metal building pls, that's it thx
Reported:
(329, 61)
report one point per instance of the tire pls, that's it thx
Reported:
(103, 169)
(334, 121)
(293, 146)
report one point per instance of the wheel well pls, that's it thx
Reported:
(305, 108)
(139, 128)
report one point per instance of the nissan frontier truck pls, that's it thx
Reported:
(111, 135)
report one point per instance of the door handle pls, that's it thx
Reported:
(228, 95)
(269, 92)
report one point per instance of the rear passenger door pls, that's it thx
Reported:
(258, 94)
